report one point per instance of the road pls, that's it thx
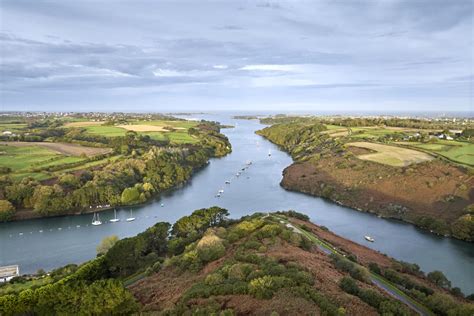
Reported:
(376, 279)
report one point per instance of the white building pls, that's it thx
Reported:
(9, 272)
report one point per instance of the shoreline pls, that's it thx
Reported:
(32, 215)
(365, 210)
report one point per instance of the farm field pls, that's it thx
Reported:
(63, 148)
(25, 158)
(12, 127)
(461, 152)
(391, 155)
(155, 129)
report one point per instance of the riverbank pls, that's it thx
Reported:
(258, 264)
(431, 193)
(146, 167)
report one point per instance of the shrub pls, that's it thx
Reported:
(374, 268)
(438, 278)
(6, 210)
(210, 248)
(349, 285)
(214, 278)
(262, 288)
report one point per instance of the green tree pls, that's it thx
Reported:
(130, 196)
(106, 243)
(6, 210)
(438, 278)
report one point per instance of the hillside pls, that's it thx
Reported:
(264, 264)
(372, 172)
(70, 165)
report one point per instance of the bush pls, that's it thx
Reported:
(438, 278)
(210, 248)
(349, 285)
(374, 268)
(262, 288)
(343, 264)
(6, 210)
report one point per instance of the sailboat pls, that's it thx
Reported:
(115, 219)
(369, 238)
(131, 218)
(96, 220)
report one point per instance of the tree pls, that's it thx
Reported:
(438, 278)
(130, 196)
(6, 210)
(106, 243)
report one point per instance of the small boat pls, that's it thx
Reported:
(115, 219)
(237, 174)
(269, 153)
(227, 182)
(96, 220)
(162, 205)
(221, 191)
(131, 218)
(369, 238)
(249, 162)
(218, 195)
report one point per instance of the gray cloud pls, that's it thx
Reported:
(210, 54)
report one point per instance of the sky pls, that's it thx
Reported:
(334, 55)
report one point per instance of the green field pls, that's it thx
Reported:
(22, 160)
(12, 127)
(178, 136)
(107, 131)
(461, 152)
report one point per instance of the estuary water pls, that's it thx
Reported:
(53, 242)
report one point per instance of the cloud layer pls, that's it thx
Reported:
(309, 55)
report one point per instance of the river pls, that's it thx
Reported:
(53, 242)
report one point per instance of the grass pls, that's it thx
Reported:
(107, 131)
(391, 155)
(461, 152)
(180, 136)
(25, 158)
(12, 127)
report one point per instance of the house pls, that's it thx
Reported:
(9, 272)
(7, 133)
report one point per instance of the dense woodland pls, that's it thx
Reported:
(146, 168)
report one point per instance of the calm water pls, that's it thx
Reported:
(49, 243)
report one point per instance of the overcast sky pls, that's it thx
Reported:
(335, 55)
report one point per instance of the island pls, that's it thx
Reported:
(416, 170)
(71, 163)
(261, 264)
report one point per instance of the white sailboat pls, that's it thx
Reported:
(369, 238)
(131, 218)
(96, 220)
(115, 219)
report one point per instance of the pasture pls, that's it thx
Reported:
(63, 148)
(391, 155)
(23, 159)
(460, 152)
(174, 131)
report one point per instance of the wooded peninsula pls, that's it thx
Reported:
(70, 163)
